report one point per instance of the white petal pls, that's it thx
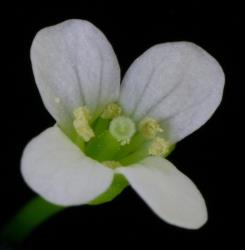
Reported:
(168, 192)
(177, 83)
(57, 170)
(74, 64)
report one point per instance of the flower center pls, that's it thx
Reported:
(115, 139)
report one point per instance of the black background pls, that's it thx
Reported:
(207, 156)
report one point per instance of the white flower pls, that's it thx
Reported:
(106, 133)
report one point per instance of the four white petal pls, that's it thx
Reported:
(59, 171)
(169, 193)
(74, 64)
(177, 83)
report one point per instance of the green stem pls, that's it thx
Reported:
(27, 219)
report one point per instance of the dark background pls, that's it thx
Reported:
(208, 157)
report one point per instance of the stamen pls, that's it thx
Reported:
(111, 164)
(159, 147)
(81, 123)
(149, 127)
(112, 110)
(122, 129)
(82, 113)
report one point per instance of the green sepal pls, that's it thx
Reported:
(119, 183)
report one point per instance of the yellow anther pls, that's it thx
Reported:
(111, 164)
(159, 147)
(149, 127)
(111, 111)
(82, 113)
(81, 123)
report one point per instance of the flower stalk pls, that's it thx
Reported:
(27, 219)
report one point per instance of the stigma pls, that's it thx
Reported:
(122, 129)
(81, 123)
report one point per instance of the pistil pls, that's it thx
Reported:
(102, 147)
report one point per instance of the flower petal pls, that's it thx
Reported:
(56, 169)
(74, 64)
(169, 193)
(177, 83)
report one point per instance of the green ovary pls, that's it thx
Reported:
(115, 140)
